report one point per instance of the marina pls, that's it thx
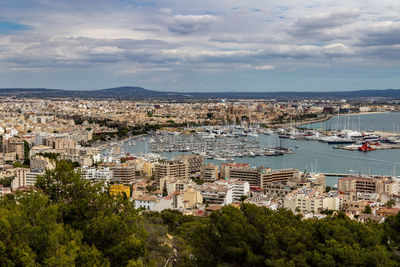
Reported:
(307, 151)
(218, 143)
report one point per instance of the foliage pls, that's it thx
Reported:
(17, 164)
(6, 182)
(328, 188)
(243, 198)
(390, 203)
(69, 221)
(367, 210)
(254, 236)
(198, 181)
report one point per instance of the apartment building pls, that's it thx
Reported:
(123, 173)
(309, 200)
(239, 189)
(195, 162)
(248, 174)
(226, 167)
(97, 174)
(209, 173)
(217, 193)
(224, 192)
(276, 189)
(25, 178)
(361, 184)
(174, 169)
(14, 145)
(272, 176)
(60, 143)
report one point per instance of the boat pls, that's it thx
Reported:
(366, 147)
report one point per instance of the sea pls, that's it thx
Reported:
(314, 156)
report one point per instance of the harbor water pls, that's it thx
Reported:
(316, 156)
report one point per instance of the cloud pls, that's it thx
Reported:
(173, 37)
(187, 24)
(265, 67)
(382, 33)
(322, 25)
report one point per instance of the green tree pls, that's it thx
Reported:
(390, 203)
(367, 210)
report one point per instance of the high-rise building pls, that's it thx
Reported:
(270, 176)
(25, 178)
(195, 162)
(123, 173)
(209, 173)
(174, 169)
(14, 145)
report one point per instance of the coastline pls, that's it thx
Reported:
(333, 115)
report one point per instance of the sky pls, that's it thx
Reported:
(206, 46)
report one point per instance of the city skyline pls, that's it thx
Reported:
(201, 46)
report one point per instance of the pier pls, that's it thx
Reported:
(330, 174)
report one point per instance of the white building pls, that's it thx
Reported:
(239, 188)
(97, 174)
(25, 177)
(309, 200)
(152, 203)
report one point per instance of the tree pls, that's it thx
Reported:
(367, 210)
(327, 189)
(243, 198)
(165, 191)
(390, 203)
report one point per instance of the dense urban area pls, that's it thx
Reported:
(72, 194)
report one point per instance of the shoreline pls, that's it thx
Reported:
(333, 115)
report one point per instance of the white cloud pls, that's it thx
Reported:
(265, 67)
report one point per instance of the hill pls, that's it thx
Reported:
(139, 93)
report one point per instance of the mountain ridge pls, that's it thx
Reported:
(140, 93)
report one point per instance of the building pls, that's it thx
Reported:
(239, 189)
(361, 184)
(120, 190)
(42, 163)
(309, 200)
(195, 162)
(275, 176)
(217, 193)
(14, 145)
(61, 143)
(226, 167)
(354, 207)
(276, 189)
(97, 174)
(4, 190)
(173, 169)
(191, 197)
(258, 177)
(82, 160)
(123, 173)
(245, 173)
(152, 203)
(25, 178)
(209, 173)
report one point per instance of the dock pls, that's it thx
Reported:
(375, 147)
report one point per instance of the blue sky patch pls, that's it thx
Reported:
(8, 26)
